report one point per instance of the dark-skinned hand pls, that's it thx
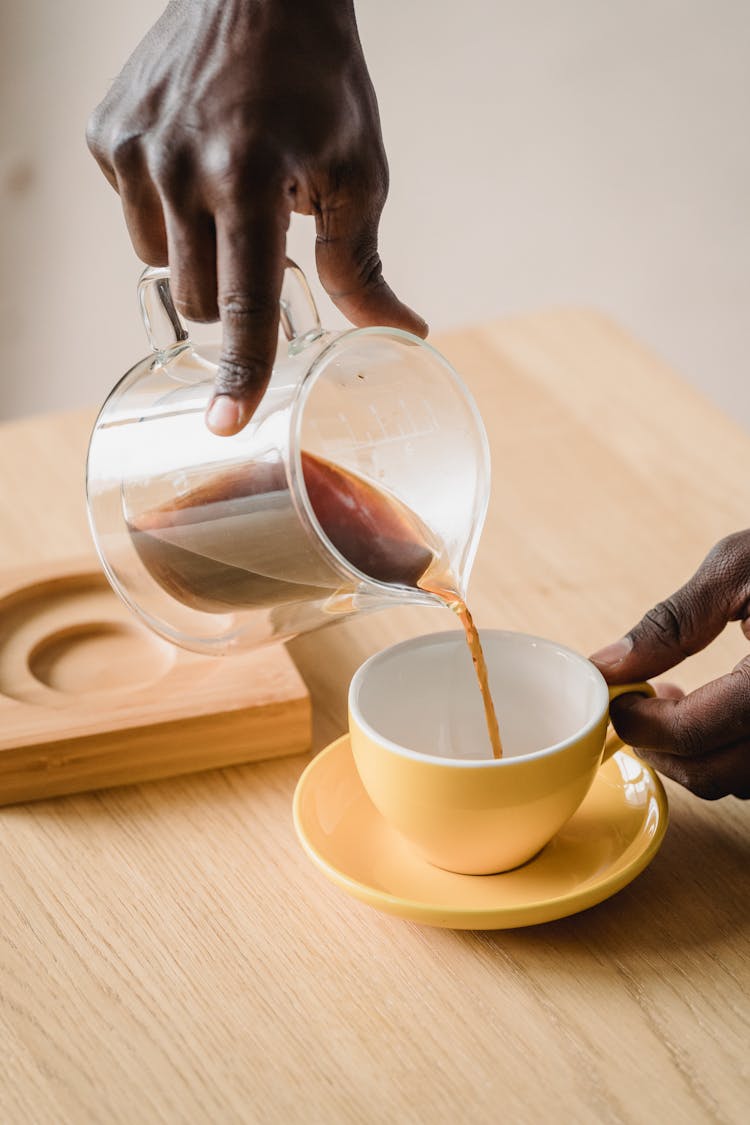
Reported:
(229, 116)
(701, 740)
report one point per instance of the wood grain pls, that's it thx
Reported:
(167, 954)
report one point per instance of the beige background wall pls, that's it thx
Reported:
(542, 152)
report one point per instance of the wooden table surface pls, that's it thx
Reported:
(167, 952)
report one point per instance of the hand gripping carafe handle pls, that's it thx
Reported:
(166, 333)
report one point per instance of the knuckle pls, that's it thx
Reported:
(169, 165)
(233, 164)
(150, 247)
(363, 179)
(727, 569)
(701, 782)
(741, 676)
(732, 548)
(666, 622)
(367, 258)
(96, 133)
(378, 188)
(127, 157)
(368, 268)
(736, 709)
(686, 736)
(368, 191)
(219, 164)
(243, 308)
(238, 374)
(359, 267)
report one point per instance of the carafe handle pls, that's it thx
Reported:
(166, 332)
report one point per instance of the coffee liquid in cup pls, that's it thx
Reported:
(233, 541)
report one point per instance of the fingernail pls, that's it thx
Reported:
(612, 655)
(224, 416)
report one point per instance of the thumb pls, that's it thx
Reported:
(686, 622)
(351, 272)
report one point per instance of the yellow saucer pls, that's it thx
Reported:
(610, 839)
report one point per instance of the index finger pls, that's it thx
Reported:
(705, 720)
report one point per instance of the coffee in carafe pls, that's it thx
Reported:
(315, 511)
(187, 544)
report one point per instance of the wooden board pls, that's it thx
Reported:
(90, 698)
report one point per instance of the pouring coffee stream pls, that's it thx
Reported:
(375, 532)
(453, 601)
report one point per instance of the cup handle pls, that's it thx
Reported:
(166, 332)
(613, 742)
(161, 320)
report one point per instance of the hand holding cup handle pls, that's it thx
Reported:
(700, 739)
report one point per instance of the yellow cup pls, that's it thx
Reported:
(421, 747)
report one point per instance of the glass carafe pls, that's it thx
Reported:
(216, 542)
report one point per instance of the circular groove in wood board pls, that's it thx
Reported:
(72, 637)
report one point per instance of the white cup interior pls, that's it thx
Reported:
(422, 696)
